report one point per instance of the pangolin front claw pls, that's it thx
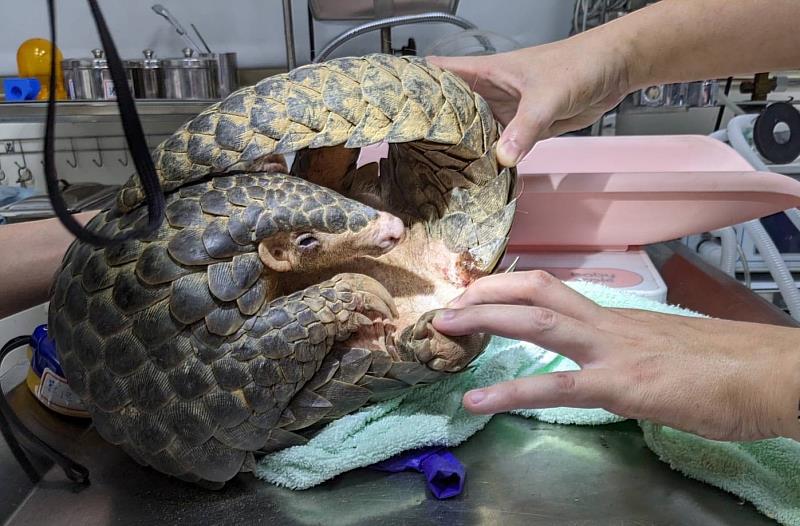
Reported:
(438, 351)
(374, 296)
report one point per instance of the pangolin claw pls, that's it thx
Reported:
(374, 296)
(438, 351)
(438, 364)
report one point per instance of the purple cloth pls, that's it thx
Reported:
(442, 470)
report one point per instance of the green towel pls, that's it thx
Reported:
(766, 473)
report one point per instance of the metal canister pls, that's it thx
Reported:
(90, 79)
(147, 76)
(227, 72)
(190, 77)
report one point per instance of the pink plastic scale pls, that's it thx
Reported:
(585, 204)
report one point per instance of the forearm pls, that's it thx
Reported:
(686, 40)
(32, 253)
(787, 395)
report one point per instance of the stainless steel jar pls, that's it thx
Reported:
(90, 79)
(227, 72)
(190, 77)
(147, 76)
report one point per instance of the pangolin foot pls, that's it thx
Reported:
(437, 351)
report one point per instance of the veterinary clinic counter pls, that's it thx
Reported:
(519, 471)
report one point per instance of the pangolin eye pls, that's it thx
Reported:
(306, 241)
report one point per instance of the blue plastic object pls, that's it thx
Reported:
(443, 472)
(46, 378)
(44, 352)
(21, 88)
(12, 194)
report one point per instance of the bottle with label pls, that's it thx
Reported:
(33, 61)
(46, 378)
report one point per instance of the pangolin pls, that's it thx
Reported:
(273, 301)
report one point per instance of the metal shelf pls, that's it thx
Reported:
(95, 110)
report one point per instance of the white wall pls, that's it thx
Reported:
(253, 28)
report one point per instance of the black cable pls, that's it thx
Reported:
(312, 52)
(134, 136)
(12, 426)
(728, 84)
(5, 427)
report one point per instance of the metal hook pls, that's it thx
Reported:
(24, 164)
(99, 154)
(125, 162)
(74, 163)
(24, 174)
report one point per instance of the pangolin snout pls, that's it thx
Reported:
(387, 232)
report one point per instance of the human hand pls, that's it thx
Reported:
(547, 90)
(720, 379)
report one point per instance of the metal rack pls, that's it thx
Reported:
(380, 15)
(82, 110)
(82, 157)
(90, 144)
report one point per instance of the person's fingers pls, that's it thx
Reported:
(468, 68)
(536, 288)
(588, 388)
(532, 119)
(532, 113)
(578, 122)
(549, 329)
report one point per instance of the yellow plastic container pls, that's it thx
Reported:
(33, 60)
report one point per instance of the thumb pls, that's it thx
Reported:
(587, 388)
(528, 125)
(464, 67)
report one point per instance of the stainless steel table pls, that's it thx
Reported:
(519, 471)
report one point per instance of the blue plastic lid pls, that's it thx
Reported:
(21, 88)
(44, 353)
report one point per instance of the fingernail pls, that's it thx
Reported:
(508, 149)
(476, 397)
(445, 314)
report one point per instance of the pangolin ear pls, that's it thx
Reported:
(274, 254)
(274, 162)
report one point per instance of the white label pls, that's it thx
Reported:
(55, 391)
(108, 89)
